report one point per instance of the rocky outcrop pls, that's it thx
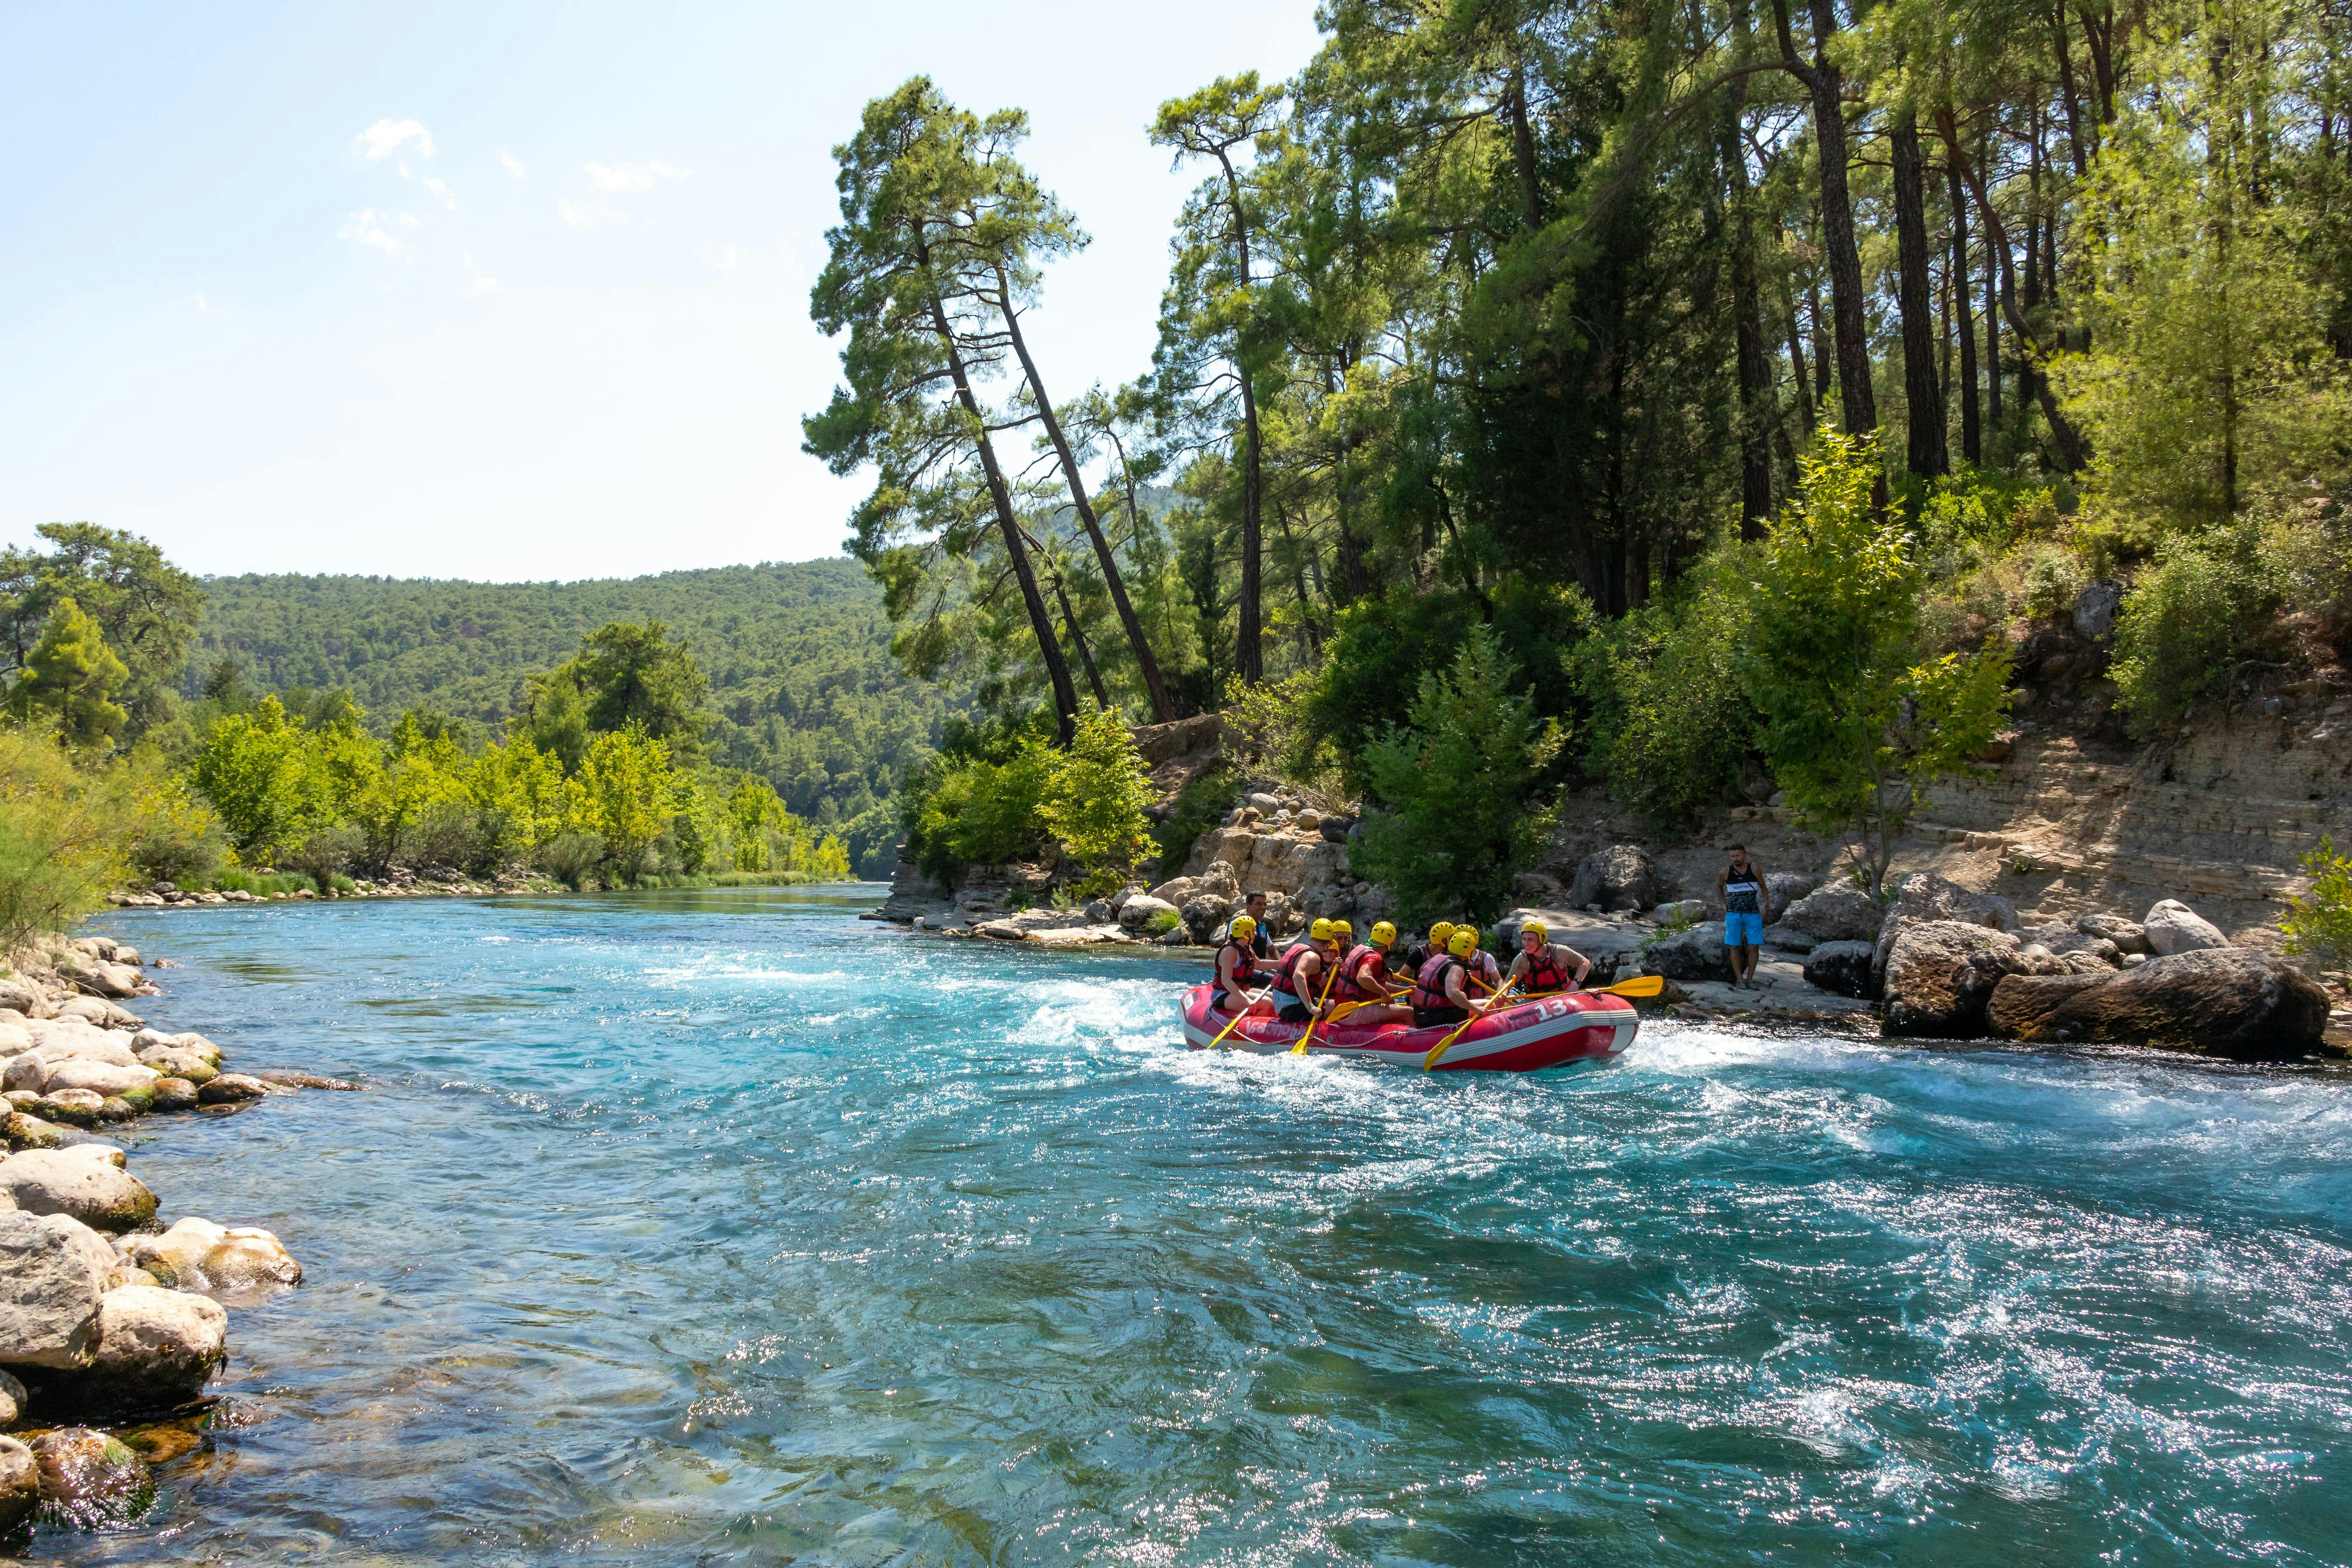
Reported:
(1921, 897)
(90, 1480)
(52, 1272)
(1839, 912)
(1697, 954)
(20, 1484)
(1841, 968)
(2172, 926)
(82, 1183)
(156, 1349)
(1621, 876)
(2219, 1001)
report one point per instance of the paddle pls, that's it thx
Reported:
(1429, 1063)
(1312, 1024)
(1241, 1015)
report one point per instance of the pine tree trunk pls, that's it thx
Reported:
(1058, 668)
(1856, 400)
(1971, 431)
(1746, 308)
(1924, 449)
(1154, 687)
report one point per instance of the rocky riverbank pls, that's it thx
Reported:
(111, 1321)
(1934, 960)
(400, 881)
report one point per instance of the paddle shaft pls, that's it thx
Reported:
(1314, 1023)
(1429, 1063)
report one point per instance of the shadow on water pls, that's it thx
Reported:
(715, 1226)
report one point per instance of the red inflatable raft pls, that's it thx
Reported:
(1572, 1027)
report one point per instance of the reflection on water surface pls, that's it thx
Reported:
(714, 1226)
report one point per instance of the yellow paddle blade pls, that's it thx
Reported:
(1639, 985)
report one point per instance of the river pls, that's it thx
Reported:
(719, 1228)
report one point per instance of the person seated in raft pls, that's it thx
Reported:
(1299, 978)
(1239, 978)
(1486, 975)
(1440, 995)
(1422, 952)
(1254, 907)
(1362, 990)
(1542, 965)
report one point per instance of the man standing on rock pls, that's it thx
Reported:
(1747, 904)
(1254, 906)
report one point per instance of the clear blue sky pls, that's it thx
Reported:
(510, 291)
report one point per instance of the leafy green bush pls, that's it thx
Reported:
(2319, 923)
(974, 811)
(1671, 727)
(570, 857)
(1200, 806)
(1458, 779)
(260, 886)
(1162, 922)
(62, 830)
(2190, 622)
(1095, 801)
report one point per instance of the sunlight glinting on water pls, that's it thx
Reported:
(721, 1228)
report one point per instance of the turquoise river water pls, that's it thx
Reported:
(720, 1228)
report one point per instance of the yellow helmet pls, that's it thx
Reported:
(1541, 931)
(1342, 933)
(1383, 935)
(1441, 934)
(1464, 942)
(1319, 931)
(1470, 931)
(1243, 927)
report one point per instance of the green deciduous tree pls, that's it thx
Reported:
(1856, 724)
(1457, 779)
(260, 772)
(1095, 804)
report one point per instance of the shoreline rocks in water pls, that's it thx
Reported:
(106, 1315)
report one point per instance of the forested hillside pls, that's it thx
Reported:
(803, 686)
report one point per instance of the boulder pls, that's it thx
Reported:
(2060, 937)
(1842, 968)
(89, 1480)
(20, 1484)
(72, 1182)
(2172, 926)
(75, 1107)
(19, 1131)
(2219, 1001)
(1697, 954)
(2129, 935)
(291, 1078)
(1840, 912)
(235, 1088)
(177, 1256)
(2095, 611)
(1206, 915)
(1788, 886)
(14, 1038)
(1922, 897)
(1137, 913)
(98, 1011)
(52, 1271)
(100, 1078)
(1778, 936)
(156, 1348)
(13, 1400)
(1936, 982)
(179, 1061)
(1676, 910)
(1621, 876)
(249, 1257)
(1177, 892)
(18, 997)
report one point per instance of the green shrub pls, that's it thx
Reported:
(2319, 923)
(1200, 806)
(1162, 922)
(978, 812)
(1095, 801)
(259, 885)
(62, 830)
(2190, 623)
(1459, 780)
(1672, 728)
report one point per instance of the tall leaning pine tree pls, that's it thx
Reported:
(921, 334)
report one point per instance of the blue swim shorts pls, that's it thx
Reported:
(1743, 930)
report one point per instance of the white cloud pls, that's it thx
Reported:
(728, 258)
(513, 165)
(634, 176)
(588, 215)
(206, 307)
(368, 226)
(441, 193)
(386, 137)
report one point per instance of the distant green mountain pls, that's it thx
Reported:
(798, 654)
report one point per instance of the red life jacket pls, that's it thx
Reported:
(1244, 963)
(1285, 972)
(1543, 975)
(1360, 974)
(1429, 986)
